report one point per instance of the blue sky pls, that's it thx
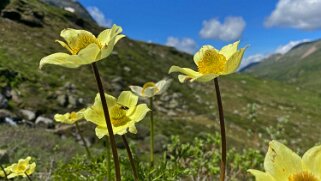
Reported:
(268, 26)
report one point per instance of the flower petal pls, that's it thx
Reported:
(204, 78)
(75, 37)
(189, 73)
(198, 55)
(31, 169)
(105, 36)
(139, 113)
(136, 90)
(229, 50)
(95, 113)
(261, 176)
(133, 129)
(62, 59)
(163, 85)
(89, 54)
(101, 131)
(63, 44)
(128, 99)
(234, 62)
(281, 162)
(312, 160)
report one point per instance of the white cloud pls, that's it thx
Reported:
(301, 14)
(185, 44)
(285, 48)
(231, 29)
(253, 59)
(99, 16)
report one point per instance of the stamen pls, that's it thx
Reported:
(148, 85)
(118, 115)
(211, 62)
(303, 176)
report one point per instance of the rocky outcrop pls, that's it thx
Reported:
(21, 11)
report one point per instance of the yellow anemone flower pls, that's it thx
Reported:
(22, 168)
(84, 47)
(212, 63)
(150, 89)
(124, 113)
(282, 164)
(69, 118)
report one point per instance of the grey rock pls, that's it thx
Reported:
(62, 100)
(10, 121)
(3, 102)
(27, 114)
(44, 122)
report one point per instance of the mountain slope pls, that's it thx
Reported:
(186, 109)
(300, 66)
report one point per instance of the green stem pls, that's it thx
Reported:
(222, 125)
(29, 178)
(108, 122)
(4, 171)
(83, 140)
(151, 133)
(108, 160)
(130, 156)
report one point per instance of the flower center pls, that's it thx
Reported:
(118, 115)
(303, 176)
(149, 85)
(83, 40)
(21, 168)
(211, 62)
(73, 116)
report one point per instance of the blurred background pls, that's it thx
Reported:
(275, 95)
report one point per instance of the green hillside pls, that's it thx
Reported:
(301, 66)
(255, 108)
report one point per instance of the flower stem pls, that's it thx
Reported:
(4, 171)
(130, 156)
(83, 140)
(108, 159)
(29, 178)
(108, 123)
(151, 134)
(222, 125)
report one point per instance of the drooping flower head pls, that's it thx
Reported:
(150, 89)
(282, 164)
(84, 47)
(212, 63)
(21, 168)
(124, 113)
(70, 118)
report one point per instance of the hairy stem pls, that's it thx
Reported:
(108, 159)
(130, 156)
(29, 178)
(151, 134)
(4, 171)
(83, 140)
(222, 125)
(108, 122)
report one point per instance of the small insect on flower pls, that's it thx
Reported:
(212, 63)
(124, 113)
(84, 47)
(282, 164)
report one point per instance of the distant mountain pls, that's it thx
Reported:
(72, 6)
(300, 66)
